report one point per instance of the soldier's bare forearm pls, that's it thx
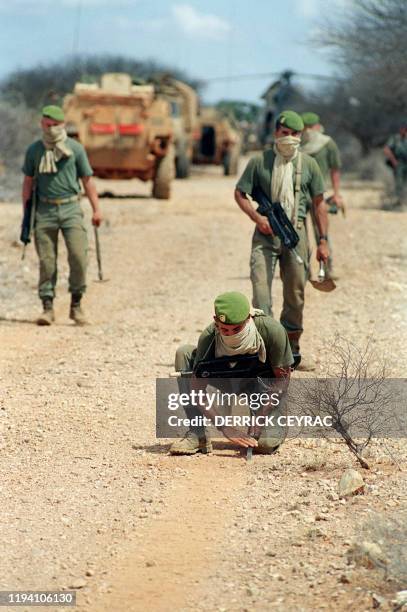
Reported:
(244, 204)
(320, 214)
(390, 155)
(27, 189)
(90, 190)
(336, 180)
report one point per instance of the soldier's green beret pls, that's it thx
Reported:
(310, 119)
(53, 112)
(232, 307)
(291, 119)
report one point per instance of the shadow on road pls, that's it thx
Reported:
(126, 196)
(13, 320)
(163, 449)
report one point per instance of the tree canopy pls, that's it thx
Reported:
(49, 83)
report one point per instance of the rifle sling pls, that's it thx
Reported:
(297, 188)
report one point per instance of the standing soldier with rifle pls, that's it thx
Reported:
(395, 151)
(326, 153)
(52, 169)
(284, 175)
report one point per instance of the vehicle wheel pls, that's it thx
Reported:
(230, 163)
(164, 176)
(182, 166)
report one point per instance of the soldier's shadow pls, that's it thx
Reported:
(218, 446)
(127, 196)
(15, 320)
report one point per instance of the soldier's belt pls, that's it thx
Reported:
(58, 201)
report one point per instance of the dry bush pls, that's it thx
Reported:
(355, 394)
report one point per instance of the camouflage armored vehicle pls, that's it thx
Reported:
(219, 141)
(126, 130)
(183, 101)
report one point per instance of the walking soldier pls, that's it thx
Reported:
(326, 153)
(294, 180)
(52, 169)
(396, 152)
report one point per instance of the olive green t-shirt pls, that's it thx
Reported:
(275, 338)
(64, 183)
(259, 170)
(328, 158)
(398, 146)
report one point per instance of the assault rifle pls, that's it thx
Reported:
(279, 222)
(27, 223)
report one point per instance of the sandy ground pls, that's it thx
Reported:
(90, 499)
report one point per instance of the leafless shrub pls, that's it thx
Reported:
(366, 42)
(355, 394)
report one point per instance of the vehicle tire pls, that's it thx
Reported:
(182, 166)
(230, 162)
(164, 175)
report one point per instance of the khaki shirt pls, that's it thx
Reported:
(259, 170)
(398, 146)
(328, 158)
(64, 183)
(275, 338)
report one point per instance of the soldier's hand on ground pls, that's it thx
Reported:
(323, 252)
(97, 218)
(238, 437)
(263, 226)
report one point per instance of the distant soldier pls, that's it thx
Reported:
(396, 152)
(295, 180)
(234, 332)
(53, 167)
(326, 153)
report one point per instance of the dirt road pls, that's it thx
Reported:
(91, 500)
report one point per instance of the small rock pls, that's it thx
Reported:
(366, 554)
(89, 572)
(351, 483)
(151, 563)
(78, 583)
(252, 591)
(400, 599)
(377, 601)
(344, 579)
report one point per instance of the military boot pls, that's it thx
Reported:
(48, 316)
(267, 445)
(191, 443)
(301, 364)
(76, 313)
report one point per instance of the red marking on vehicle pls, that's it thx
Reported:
(103, 128)
(131, 129)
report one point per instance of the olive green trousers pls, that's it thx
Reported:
(400, 180)
(266, 252)
(49, 220)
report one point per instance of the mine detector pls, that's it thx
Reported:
(219, 142)
(126, 129)
(183, 101)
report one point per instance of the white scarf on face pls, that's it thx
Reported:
(313, 142)
(54, 139)
(247, 341)
(282, 184)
